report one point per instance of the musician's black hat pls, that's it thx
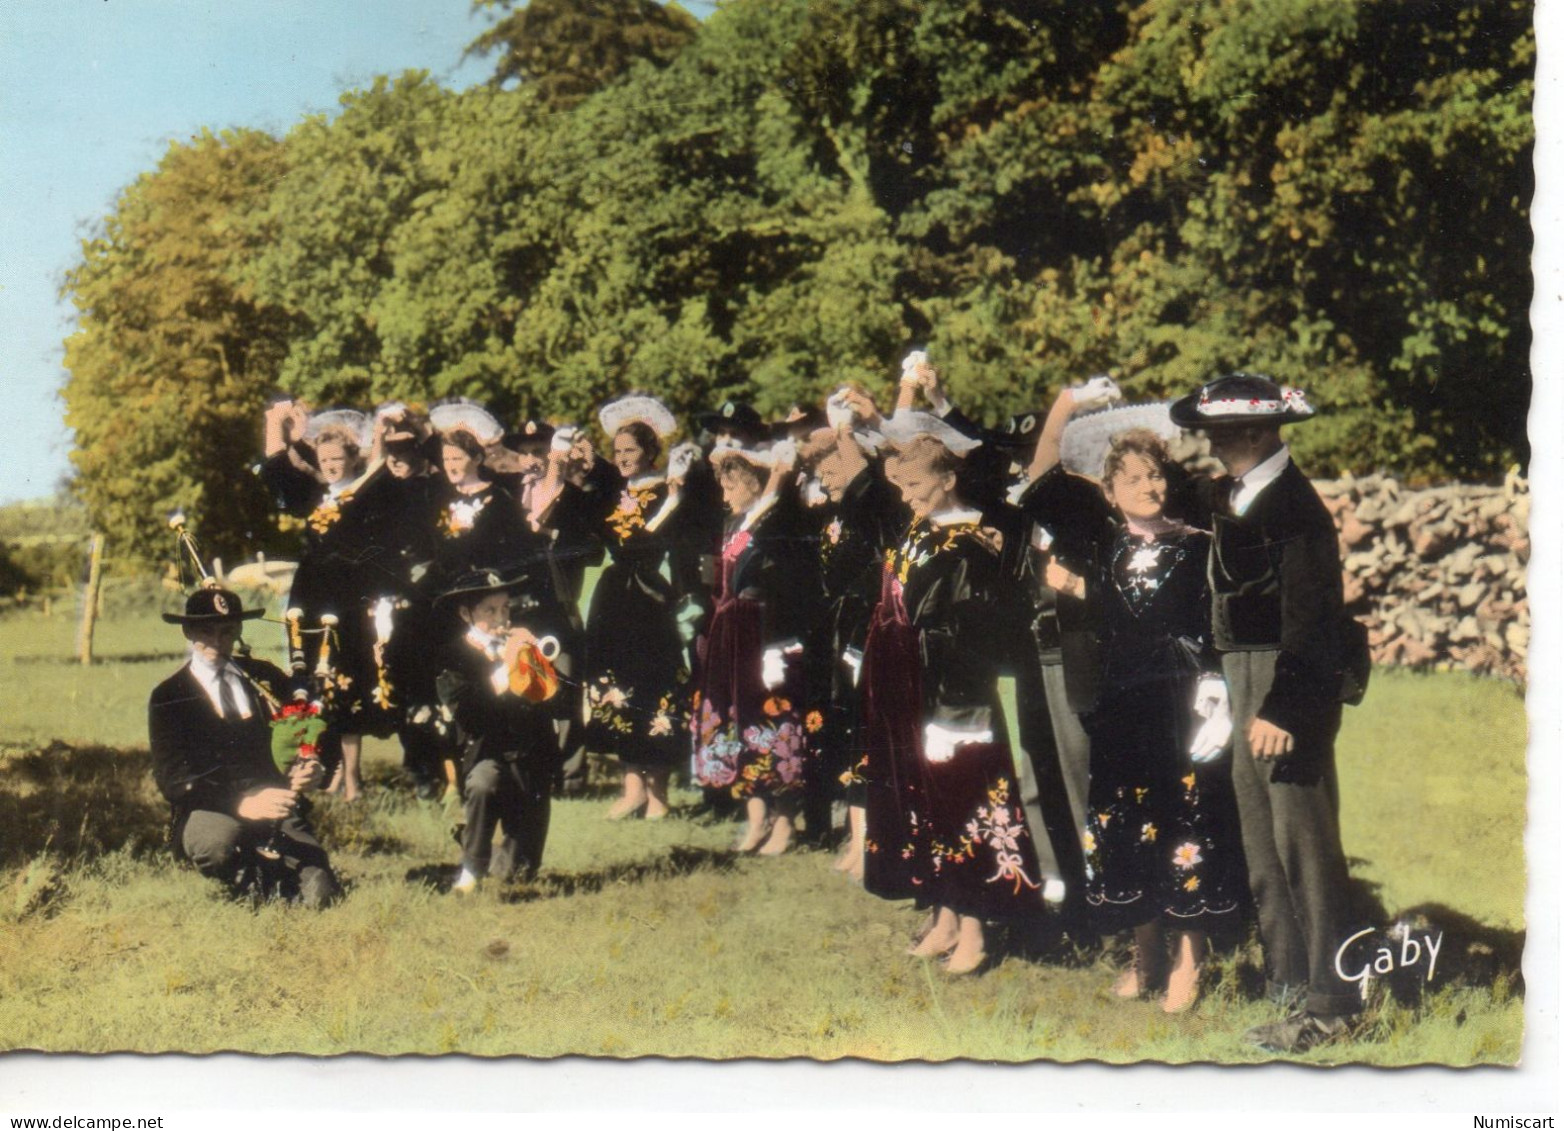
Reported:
(213, 605)
(479, 583)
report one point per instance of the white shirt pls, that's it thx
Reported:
(207, 676)
(494, 648)
(1247, 487)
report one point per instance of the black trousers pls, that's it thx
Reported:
(226, 848)
(501, 795)
(1292, 843)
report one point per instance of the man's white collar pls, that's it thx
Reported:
(1247, 487)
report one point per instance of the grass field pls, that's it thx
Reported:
(646, 939)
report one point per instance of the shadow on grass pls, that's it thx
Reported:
(78, 802)
(679, 860)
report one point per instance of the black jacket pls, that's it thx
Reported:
(1276, 586)
(492, 726)
(1064, 629)
(201, 760)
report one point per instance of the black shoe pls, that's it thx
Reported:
(1300, 1032)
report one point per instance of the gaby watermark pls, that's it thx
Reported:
(1358, 959)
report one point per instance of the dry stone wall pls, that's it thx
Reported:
(1439, 574)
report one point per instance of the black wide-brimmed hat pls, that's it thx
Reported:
(211, 605)
(1241, 398)
(479, 583)
(1020, 431)
(737, 417)
(530, 433)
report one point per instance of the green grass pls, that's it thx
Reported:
(644, 938)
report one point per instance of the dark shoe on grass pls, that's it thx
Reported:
(1299, 1033)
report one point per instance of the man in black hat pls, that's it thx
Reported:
(236, 817)
(1277, 618)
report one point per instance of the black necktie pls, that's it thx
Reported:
(225, 696)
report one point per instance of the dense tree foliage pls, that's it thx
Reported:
(793, 192)
(567, 49)
(173, 357)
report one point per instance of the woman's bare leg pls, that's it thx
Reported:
(969, 953)
(1189, 952)
(781, 835)
(352, 783)
(656, 793)
(942, 937)
(755, 831)
(1148, 967)
(633, 797)
(852, 851)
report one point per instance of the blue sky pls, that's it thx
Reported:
(91, 94)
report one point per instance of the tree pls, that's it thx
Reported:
(327, 238)
(171, 360)
(565, 50)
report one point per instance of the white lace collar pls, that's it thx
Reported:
(954, 516)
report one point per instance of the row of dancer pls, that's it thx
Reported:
(839, 633)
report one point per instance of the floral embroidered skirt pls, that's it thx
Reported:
(635, 670)
(951, 833)
(1161, 835)
(746, 740)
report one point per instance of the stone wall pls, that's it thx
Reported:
(1438, 575)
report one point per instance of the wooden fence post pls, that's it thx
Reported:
(89, 605)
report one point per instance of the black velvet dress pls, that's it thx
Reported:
(750, 740)
(636, 672)
(348, 559)
(869, 521)
(944, 832)
(1160, 840)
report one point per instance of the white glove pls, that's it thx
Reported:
(784, 454)
(853, 658)
(909, 365)
(681, 459)
(773, 669)
(837, 411)
(1096, 393)
(380, 613)
(940, 742)
(564, 438)
(1211, 696)
(1211, 704)
(1212, 738)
